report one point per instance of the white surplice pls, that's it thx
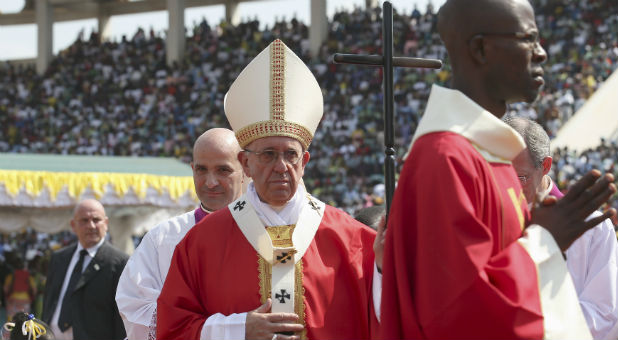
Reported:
(144, 274)
(591, 260)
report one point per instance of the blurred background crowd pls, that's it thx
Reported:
(120, 98)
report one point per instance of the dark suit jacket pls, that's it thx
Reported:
(93, 305)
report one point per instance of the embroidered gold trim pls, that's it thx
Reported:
(299, 293)
(502, 212)
(517, 202)
(269, 128)
(265, 275)
(277, 80)
(281, 236)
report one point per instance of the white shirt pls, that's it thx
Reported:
(143, 276)
(92, 251)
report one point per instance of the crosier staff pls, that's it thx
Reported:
(387, 62)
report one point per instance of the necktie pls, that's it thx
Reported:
(65, 320)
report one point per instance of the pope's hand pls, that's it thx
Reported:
(261, 324)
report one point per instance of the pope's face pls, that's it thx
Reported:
(275, 181)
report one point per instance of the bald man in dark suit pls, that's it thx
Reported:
(81, 283)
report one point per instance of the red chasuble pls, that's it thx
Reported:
(216, 270)
(452, 268)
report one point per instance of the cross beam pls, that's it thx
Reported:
(387, 62)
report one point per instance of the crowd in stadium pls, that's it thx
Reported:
(120, 98)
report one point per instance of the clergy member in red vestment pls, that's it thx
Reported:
(277, 263)
(463, 258)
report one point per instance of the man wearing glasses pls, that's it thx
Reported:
(277, 263)
(463, 256)
(592, 258)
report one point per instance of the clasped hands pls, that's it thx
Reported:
(567, 219)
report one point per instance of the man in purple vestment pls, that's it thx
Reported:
(218, 178)
(592, 258)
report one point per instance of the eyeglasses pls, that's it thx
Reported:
(530, 38)
(523, 179)
(268, 156)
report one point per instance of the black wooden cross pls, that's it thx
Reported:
(282, 296)
(387, 62)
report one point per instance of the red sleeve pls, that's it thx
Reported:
(443, 277)
(179, 312)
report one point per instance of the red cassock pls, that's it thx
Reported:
(452, 268)
(215, 270)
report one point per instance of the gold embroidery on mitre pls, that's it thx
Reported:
(277, 80)
(270, 128)
(281, 236)
(265, 275)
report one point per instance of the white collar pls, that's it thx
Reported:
(204, 209)
(546, 179)
(92, 251)
(451, 110)
(270, 217)
(548, 184)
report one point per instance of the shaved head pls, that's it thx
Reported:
(88, 204)
(494, 51)
(217, 173)
(220, 138)
(459, 20)
(89, 222)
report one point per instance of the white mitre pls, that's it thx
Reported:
(275, 95)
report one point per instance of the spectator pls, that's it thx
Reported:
(19, 289)
(26, 327)
(114, 98)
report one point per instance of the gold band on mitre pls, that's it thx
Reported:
(275, 95)
(270, 128)
(276, 126)
(277, 80)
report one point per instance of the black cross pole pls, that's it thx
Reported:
(387, 61)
